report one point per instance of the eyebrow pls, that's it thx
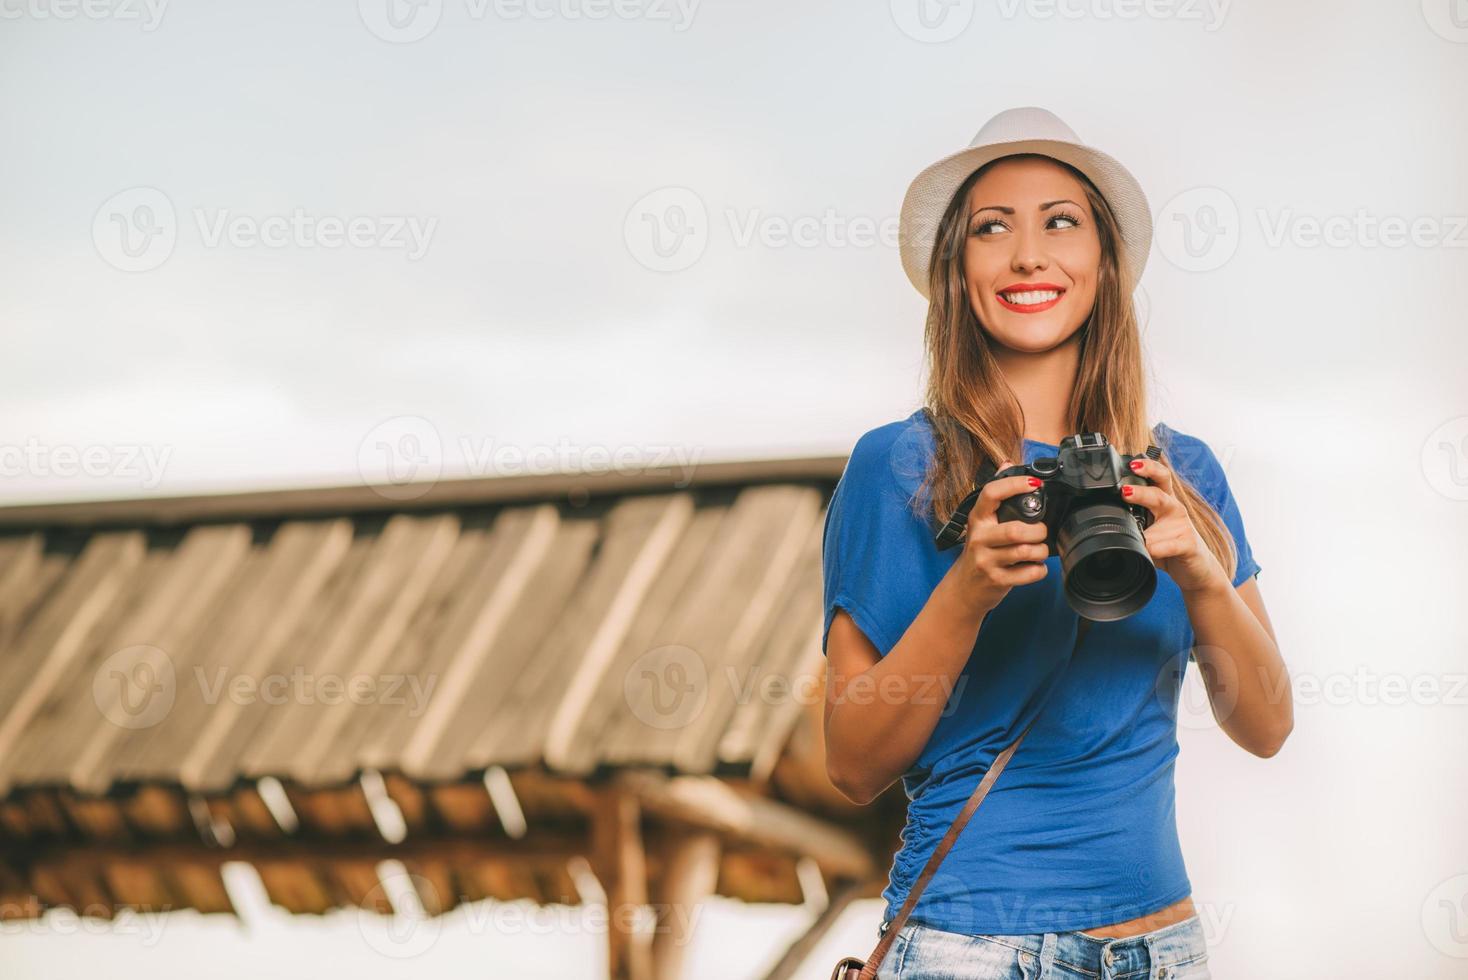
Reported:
(1000, 207)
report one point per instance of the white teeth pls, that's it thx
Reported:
(1032, 297)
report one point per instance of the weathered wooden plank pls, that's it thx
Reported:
(673, 677)
(618, 861)
(690, 877)
(499, 710)
(794, 524)
(203, 566)
(125, 679)
(463, 806)
(638, 557)
(412, 672)
(22, 576)
(295, 886)
(357, 881)
(218, 664)
(436, 885)
(201, 887)
(159, 811)
(788, 675)
(100, 818)
(403, 562)
(41, 660)
(708, 803)
(492, 637)
(239, 725)
(410, 800)
(139, 884)
(760, 876)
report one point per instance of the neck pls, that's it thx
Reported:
(1043, 383)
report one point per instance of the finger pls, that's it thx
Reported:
(1160, 503)
(996, 492)
(997, 534)
(1012, 554)
(1021, 574)
(1160, 475)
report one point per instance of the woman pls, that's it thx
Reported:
(1028, 246)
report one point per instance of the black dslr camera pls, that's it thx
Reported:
(1107, 572)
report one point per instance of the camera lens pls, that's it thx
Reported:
(1107, 572)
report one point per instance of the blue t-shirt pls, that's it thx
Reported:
(1079, 831)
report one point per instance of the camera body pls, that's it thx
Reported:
(1086, 471)
(1107, 572)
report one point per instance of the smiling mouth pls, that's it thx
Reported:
(1030, 300)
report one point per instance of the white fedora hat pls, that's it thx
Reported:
(1028, 129)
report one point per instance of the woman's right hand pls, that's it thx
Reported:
(997, 555)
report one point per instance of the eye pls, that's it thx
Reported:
(1067, 220)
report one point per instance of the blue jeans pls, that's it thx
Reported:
(1175, 952)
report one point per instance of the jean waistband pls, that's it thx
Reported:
(1179, 942)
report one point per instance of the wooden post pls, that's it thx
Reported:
(621, 867)
(799, 951)
(692, 872)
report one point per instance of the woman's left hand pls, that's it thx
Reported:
(1172, 540)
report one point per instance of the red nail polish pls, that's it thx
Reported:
(1135, 464)
(1126, 491)
(1034, 481)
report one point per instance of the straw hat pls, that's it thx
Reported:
(1028, 129)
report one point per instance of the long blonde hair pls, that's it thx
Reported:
(974, 413)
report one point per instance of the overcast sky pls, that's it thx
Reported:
(280, 244)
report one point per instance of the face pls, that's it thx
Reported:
(1032, 255)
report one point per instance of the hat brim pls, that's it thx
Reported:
(930, 193)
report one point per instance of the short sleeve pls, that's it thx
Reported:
(877, 554)
(1195, 458)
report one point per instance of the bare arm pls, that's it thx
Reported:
(880, 711)
(1248, 684)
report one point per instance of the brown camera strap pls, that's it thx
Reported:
(874, 962)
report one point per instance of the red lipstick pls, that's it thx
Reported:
(1021, 287)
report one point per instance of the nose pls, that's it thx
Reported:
(1029, 252)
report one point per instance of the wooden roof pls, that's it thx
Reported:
(161, 709)
(517, 606)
